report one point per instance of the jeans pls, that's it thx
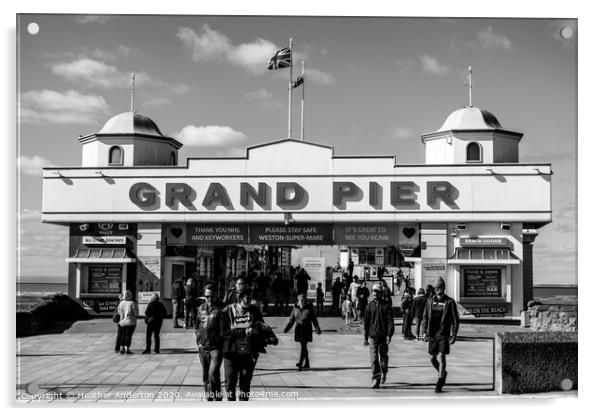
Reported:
(379, 357)
(190, 313)
(153, 328)
(126, 335)
(118, 338)
(304, 357)
(177, 310)
(418, 325)
(239, 366)
(211, 361)
(407, 324)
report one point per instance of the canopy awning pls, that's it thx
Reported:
(101, 255)
(480, 256)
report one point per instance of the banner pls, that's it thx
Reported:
(316, 268)
(432, 270)
(366, 235)
(207, 234)
(482, 283)
(279, 235)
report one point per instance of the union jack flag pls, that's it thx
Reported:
(298, 82)
(280, 59)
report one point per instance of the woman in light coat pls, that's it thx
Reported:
(128, 312)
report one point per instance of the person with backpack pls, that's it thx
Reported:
(209, 342)
(242, 333)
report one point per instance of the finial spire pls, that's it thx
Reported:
(133, 92)
(470, 86)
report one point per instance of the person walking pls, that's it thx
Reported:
(418, 311)
(128, 314)
(154, 314)
(190, 296)
(440, 324)
(406, 310)
(347, 309)
(210, 342)
(387, 297)
(378, 331)
(303, 279)
(116, 319)
(242, 345)
(353, 287)
(303, 317)
(233, 294)
(363, 293)
(335, 291)
(177, 300)
(320, 299)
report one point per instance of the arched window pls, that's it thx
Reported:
(115, 156)
(172, 158)
(473, 152)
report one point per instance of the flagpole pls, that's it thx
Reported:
(303, 100)
(290, 90)
(470, 86)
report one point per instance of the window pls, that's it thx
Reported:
(115, 156)
(473, 152)
(172, 158)
(104, 279)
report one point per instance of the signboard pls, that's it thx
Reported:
(366, 235)
(486, 310)
(432, 270)
(207, 234)
(278, 234)
(145, 297)
(101, 305)
(95, 239)
(484, 242)
(482, 283)
(104, 279)
(96, 229)
(316, 268)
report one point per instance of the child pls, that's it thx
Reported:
(320, 299)
(348, 309)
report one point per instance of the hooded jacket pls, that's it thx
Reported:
(450, 320)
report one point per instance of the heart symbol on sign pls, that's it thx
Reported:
(409, 232)
(176, 232)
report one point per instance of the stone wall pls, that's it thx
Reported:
(532, 362)
(553, 314)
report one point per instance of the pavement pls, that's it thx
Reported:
(79, 366)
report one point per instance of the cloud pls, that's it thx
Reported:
(488, 39)
(69, 107)
(83, 19)
(212, 46)
(403, 133)
(319, 77)
(405, 66)
(94, 73)
(32, 165)
(120, 51)
(210, 136)
(432, 66)
(261, 94)
(157, 101)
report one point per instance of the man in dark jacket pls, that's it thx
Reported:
(177, 300)
(210, 343)
(302, 282)
(378, 330)
(336, 290)
(440, 323)
(242, 344)
(418, 307)
(154, 314)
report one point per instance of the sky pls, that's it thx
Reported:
(373, 86)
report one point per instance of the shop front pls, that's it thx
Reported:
(140, 227)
